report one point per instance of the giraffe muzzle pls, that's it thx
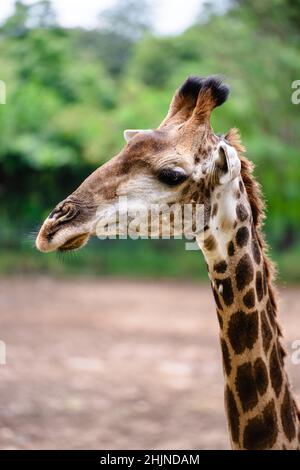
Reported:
(64, 229)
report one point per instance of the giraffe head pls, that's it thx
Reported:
(174, 163)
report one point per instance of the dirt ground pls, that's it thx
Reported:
(108, 364)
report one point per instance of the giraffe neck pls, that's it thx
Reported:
(260, 408)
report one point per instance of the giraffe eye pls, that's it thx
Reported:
(172, 177)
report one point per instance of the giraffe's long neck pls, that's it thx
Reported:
(260, 408)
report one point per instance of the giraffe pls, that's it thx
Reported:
(184, 161)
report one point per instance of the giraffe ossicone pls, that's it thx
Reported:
(184, 162)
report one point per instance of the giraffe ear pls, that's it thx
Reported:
(227, 162)
(130, 133)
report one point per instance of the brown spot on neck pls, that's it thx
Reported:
(210, 243)
(288, 415)
(275, 371)
(244, 272)
(246, 386)
(220, 267)
(261, 431)
(242, 236)
(233, 414)
(241, 212)
(243, 330)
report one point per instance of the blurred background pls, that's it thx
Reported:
(96, 358)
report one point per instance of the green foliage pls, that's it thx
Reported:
(71, 93)
(120, 26)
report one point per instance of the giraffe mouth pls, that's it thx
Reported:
(75, 242)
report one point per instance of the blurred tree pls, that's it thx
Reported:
(16, 24)
(274, 16)
(71, 93)
(120, 27)
(39, 14)
(130, 18)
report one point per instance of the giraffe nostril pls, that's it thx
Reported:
(64, 212)
(53, 213)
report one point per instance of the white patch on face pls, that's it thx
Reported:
(147, 189)
(222, 224)
(135, 198)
